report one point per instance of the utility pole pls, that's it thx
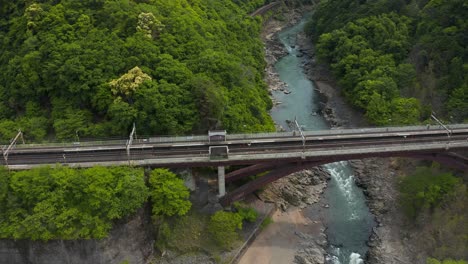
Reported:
(449, 131)
(130, 140)
(302, 134)
(12, 145)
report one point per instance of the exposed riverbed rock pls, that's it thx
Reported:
(274, 49)
(311, 249)
(298, 189)
(386, 243)
(312, 254)
(375, 176)
(305, 187)
(334, 109)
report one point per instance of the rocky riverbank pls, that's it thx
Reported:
(299, 189)
(292, 237)
(304, 239)
(275, 50)
(376, 176)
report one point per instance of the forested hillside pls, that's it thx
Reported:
(397, 60)
(91, 68)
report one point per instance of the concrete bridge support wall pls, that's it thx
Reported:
(221, 181)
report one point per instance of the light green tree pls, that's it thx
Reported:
(223, 227)
(127, 84)
(168, 193)
(405, 111)
(63, 203)
(378, 110)
(149, 25)
(445, 261)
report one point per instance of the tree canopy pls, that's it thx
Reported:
(93, 68)
(367, 57)
(168, 194)
(223, 227)
(63, 203)
(397, 60)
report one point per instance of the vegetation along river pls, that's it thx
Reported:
(348, 220)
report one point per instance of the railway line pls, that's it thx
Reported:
(154, 150)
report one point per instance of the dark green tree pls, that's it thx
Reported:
(425, 189)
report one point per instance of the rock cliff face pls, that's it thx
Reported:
(131, 241)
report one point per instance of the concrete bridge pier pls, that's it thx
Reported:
(221, 181)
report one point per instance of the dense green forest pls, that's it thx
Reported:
(64, 203)
(49, 203)
(91, 68)
(397, 60)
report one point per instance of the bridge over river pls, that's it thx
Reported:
(279, 153)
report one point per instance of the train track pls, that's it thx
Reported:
(150, 149)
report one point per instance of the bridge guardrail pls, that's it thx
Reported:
(73, 144)
(204, 138)
(261, 135)
(339, 131)
(178, 139)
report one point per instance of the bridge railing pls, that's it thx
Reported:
(73, 144)
(380, 130)
(260, 135)
(204, 138)
(339, 131)
(178, 139)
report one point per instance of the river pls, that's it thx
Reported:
(348, 220)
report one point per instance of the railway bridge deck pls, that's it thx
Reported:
(285, 152)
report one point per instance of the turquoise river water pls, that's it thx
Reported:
(347, 219)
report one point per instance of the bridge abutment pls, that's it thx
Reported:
(221, 181)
